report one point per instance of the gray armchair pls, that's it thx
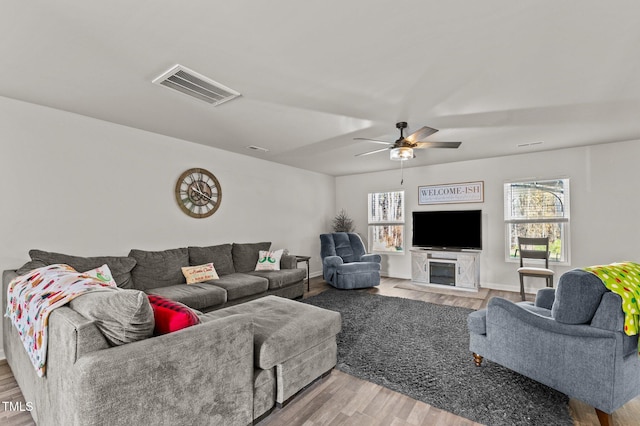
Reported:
(571, 339)
(345, 263)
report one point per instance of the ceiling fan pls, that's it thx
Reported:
(402, 148)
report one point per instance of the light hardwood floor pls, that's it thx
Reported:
(341, 399)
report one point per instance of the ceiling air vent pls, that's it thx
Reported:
(196, 85)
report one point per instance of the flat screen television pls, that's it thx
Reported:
(453, 230)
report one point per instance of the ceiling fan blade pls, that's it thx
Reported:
(437, 145)
(373, 140)
(372, 152)
(421, 134)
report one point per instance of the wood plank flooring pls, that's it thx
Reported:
(341, 399)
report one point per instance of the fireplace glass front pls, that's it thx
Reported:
(442, 272)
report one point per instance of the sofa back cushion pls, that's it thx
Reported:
(122, 316)
(577, 297)
(245, 255)
(156, 269)
(219, 255)
(119, 266)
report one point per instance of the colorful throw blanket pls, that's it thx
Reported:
(32, 297)
(624, 280)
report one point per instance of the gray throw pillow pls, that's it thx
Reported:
(577, 297)
(219, 255)
(122, 316)
(155, 269)
(119, 266)
(245, 255)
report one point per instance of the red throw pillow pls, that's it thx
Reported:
(171, 316)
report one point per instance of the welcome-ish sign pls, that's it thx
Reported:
(466, 192)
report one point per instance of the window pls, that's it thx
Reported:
(386, 222)
(538, 209)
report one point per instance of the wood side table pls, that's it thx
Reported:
(304, 259)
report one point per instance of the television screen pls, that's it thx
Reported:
(457, 229)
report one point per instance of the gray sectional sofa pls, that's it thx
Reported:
(158, 272)
(251, 351)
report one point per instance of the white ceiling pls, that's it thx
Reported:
(313, 75)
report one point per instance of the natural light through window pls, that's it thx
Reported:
(538, 208)
(386, 222)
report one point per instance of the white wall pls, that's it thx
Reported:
(81, 186)
(604, 204)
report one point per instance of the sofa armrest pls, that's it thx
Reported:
(371, 258)
(199, 375)
(515, 312)
(545, 297)
(288, 261)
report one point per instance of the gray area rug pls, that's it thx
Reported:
(422, 350)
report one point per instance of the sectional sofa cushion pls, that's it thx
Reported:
(196, 296)
(282, 278)
(577, 297)
(282, 327)
(245, 255)
(171, 316)
(156, 269)
(121, 315)
(120, 266)
(238, 285)
(219, 255)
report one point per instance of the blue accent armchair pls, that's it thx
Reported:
(345, 263)
(571, 339)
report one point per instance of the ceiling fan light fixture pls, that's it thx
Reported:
(401, 154)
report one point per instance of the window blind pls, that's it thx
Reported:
(537, 201)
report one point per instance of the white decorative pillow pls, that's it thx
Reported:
(102, 274)
(200, 273)
(269, 260)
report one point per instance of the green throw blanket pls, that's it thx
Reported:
(624, 280)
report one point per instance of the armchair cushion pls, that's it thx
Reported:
(545, 298)
(371, 258)
(343, 247)
(358, 267)
(577, 297)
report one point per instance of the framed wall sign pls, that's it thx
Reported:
(465, 192)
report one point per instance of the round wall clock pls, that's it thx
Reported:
(198, 193)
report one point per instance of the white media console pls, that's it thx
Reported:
(457, 269)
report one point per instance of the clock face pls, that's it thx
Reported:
(198, 193)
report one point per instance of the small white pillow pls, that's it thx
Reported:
(200, 273)
(269, 260)
(102, 274)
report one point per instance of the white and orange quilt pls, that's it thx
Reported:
(32, 297)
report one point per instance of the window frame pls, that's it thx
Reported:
(385, 219)
(563, 220)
